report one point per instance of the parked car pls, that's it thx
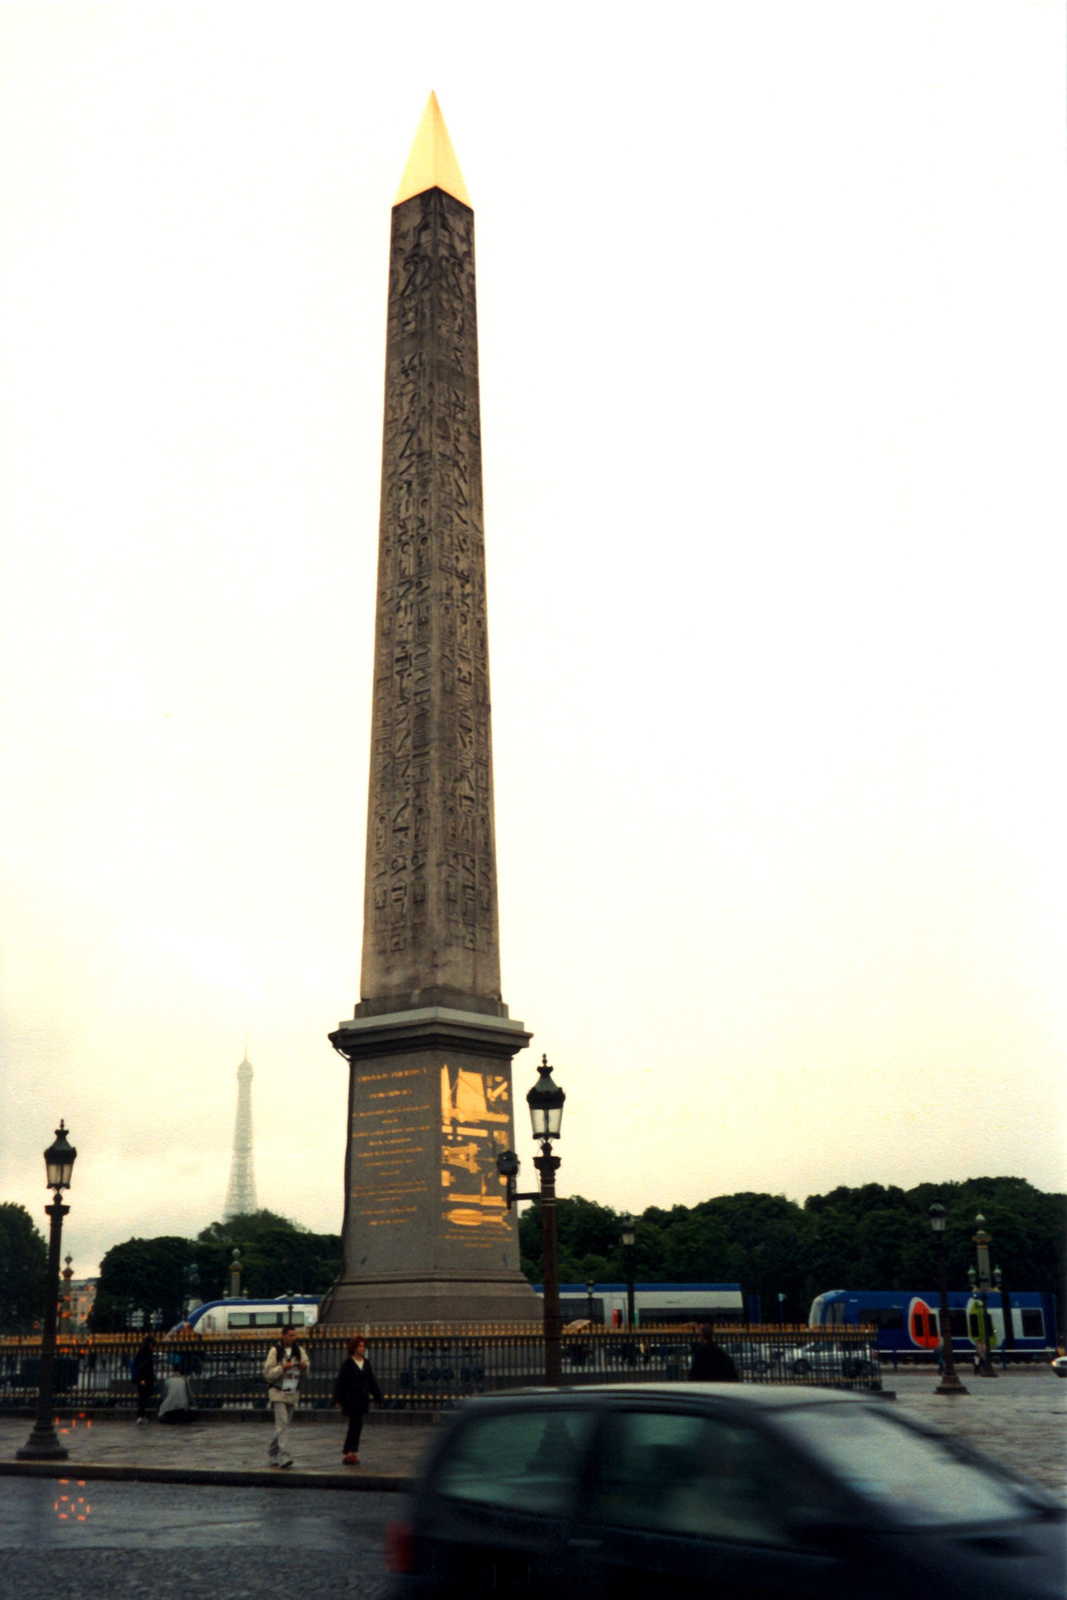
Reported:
(826, 1360)
(717, 1492)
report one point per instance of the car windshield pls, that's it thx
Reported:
(917, 1479)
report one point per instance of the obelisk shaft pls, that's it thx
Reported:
(430, 899)
(426, 1233)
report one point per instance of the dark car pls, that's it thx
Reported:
(713, 1492)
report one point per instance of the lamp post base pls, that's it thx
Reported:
(42, 1445)
(950, 1384)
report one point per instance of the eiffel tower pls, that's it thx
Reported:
(241, 1194)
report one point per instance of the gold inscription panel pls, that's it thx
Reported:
(391, 1129)
(475, 1127)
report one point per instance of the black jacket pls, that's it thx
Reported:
(144, 1369)
(355, 1387)
(711, 1364)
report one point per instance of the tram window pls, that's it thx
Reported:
(882, 1316)
(975, 1330)
(1033, 1325)
(264, 1319)
(958, 1320)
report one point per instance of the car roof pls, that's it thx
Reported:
(763, 1396)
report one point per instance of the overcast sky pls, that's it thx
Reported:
(773, 340)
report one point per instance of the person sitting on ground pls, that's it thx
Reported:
(353, 1391)
(176, 1404)
(711, 1363)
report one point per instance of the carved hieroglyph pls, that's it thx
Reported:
(430, 913)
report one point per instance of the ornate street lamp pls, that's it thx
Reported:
(627, 1237)
(545, 1101)
(982, 1241)
(950, 1383)
(43, 1443)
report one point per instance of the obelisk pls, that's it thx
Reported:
(426, 1232)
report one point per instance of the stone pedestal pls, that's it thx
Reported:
(427, 1235)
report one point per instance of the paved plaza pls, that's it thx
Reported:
(389, 1452)
(1019, 1419)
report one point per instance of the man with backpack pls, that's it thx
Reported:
(283, 1369)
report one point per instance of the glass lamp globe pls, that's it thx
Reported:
(59, 1160)
(545, 1101)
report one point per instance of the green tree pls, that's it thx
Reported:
(147, 1275)
(23, 1263)
(152, 1275)
(277, 1255)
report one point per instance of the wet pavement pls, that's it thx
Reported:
(95, 1541)
(1020, 1418)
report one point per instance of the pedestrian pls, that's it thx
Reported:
(711, 1363)
(355, 1387)
(176, 1404)
(143, 1373)
(283, 1369)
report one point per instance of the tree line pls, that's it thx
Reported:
(870, 1237)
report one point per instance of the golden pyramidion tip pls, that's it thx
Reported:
(432, 163)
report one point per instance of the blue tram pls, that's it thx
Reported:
(907, 1319)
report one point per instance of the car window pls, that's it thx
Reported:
(703, 1476)
(522, 1460)
(916, 1478)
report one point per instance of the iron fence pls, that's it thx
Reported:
(432, 1369)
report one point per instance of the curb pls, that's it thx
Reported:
(271, 1478)
(318, 1416)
